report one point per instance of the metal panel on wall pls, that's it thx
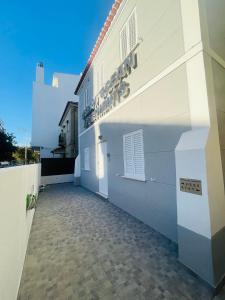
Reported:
(57, 166)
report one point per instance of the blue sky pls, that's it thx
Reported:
(59, 33)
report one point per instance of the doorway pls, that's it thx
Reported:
(103, 169)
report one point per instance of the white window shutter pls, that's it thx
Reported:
(98, 85)
(133, 148)
(86, 159)
(123, 42)
(139, 165)
(82, 99)
(128, 155)
(128, 35)
(102, 75)
(89, 95)
(85, 98)
(132, 31)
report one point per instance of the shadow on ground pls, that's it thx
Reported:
(82, 247)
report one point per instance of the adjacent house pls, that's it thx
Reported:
(151, 123)
(48, 104)
(68, 137)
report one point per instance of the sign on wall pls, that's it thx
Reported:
(115, 89)
(192, 186)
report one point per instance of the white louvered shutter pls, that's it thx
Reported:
(139, 165)
(128, 155)
(87, 96)
(85, 101)
(98, 85)
(132, 31)
(86, 159)
(133, 148)
(123, 42)
(102, 75)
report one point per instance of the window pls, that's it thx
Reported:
(97, 82)
(90, 91)
(86, 159)
(100, 78)
(132, 31)
(123, 42)
(86, 97)
(128, 35)
(133, 151)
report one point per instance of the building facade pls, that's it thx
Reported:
(48, 104)
(151, 123)
(68, 138)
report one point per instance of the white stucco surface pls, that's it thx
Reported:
(198, 153)
(15, 224)
(48, 104)
(54, 179)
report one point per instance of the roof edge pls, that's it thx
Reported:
(99, 41)
(75, 104)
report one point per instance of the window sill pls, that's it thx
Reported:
(133, 178)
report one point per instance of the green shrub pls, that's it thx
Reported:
(31, 201)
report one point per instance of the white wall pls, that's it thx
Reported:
(172, 49)
(48, 104)
(54, 179)
(198, 153)
(15, 224)
(159, 28)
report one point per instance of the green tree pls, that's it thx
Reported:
(7, 144)
(19, 155)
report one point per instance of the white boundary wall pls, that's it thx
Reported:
(15, 224)
(55, 179)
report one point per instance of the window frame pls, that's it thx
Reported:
(127, 33)
(85, 95)
(87, 159)
(133, 175)
(126, 24)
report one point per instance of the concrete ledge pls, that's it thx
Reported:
(57, 179)
(102, 196)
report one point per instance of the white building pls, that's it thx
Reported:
(68, 138)
(48, 104)
(152, 114)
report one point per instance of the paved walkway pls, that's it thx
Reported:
(82, 247)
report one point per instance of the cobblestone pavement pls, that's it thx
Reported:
(82, 247)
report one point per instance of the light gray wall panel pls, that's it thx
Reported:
(218, 252)
(160, 34)
(195, 252)
(160, 167)
(219, 89)
(204, 256)
(216, 25)
(162, 112)
(153, 203)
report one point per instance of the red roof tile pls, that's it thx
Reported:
(101, 36)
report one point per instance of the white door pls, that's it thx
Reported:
(103, 169)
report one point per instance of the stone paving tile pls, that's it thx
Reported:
(84, 248)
